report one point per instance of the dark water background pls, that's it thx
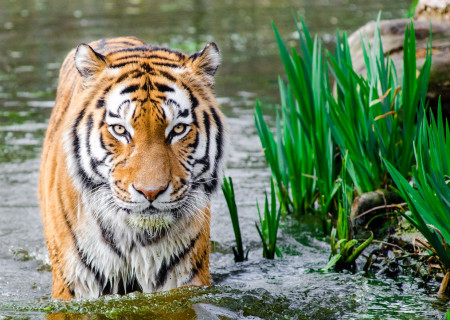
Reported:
(35, 36)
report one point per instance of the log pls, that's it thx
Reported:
(433, 10)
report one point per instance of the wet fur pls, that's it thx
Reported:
(102, 236)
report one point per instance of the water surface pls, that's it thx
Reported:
(35, 36)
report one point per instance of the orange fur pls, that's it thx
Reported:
(146, 158)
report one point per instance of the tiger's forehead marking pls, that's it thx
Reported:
(120, 103)
(173, 107)
(177, 105)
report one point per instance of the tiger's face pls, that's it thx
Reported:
(151, 143)
(153, 147)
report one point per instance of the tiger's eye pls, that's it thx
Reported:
(178, 129)
(119, 129)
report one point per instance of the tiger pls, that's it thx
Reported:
(133, 152)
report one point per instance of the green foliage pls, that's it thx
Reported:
(269, 225)
(374, 118)
(429, 202)
(369, 118)
(228, 192)
(344, 249)
(411, 9)
(301, 156)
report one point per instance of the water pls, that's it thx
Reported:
(35, 36)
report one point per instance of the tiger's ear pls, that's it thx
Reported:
(88, 61)
(206, 62)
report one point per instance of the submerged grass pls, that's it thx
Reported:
(429, 202)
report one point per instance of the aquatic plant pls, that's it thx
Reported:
(412, 9)
(269, 225)
(228, 192)
(369, 117)
(344, 248)
(429, 201)
(301, 157)
(373, 117)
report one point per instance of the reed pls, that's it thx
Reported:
(429, 201)
(368, 117)
(269, 223)
(373, 117)
(301, 156)
(228, 192)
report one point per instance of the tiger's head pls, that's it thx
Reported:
(149, 140)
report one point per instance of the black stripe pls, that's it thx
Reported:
(102, 143)
(195, 143)
(137, 74)
(108, 237)
(164, 64)
(76, 148)
(219, 152)
(128, 57)
(205, 159)
(184, 166)
(167, 75)
(85, 179)
(146, 67)
(173, 102)
(130, 89)
(122, 104)
(122, 77)
(166, 267)
(100, 103)
(194, 102)
(106, 90)
(99, 277)
(94, 163)
(198, 266)
(183, 114)
(142, 48)
(113, 115)
(81, 254)
(163, 87)
(156, 56)
(177, 53)
(120, 65)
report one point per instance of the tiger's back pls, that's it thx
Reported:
(133, 151)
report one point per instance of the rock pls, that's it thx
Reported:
(433, 10)
(392, 36)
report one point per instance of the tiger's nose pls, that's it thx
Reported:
(151, 194)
